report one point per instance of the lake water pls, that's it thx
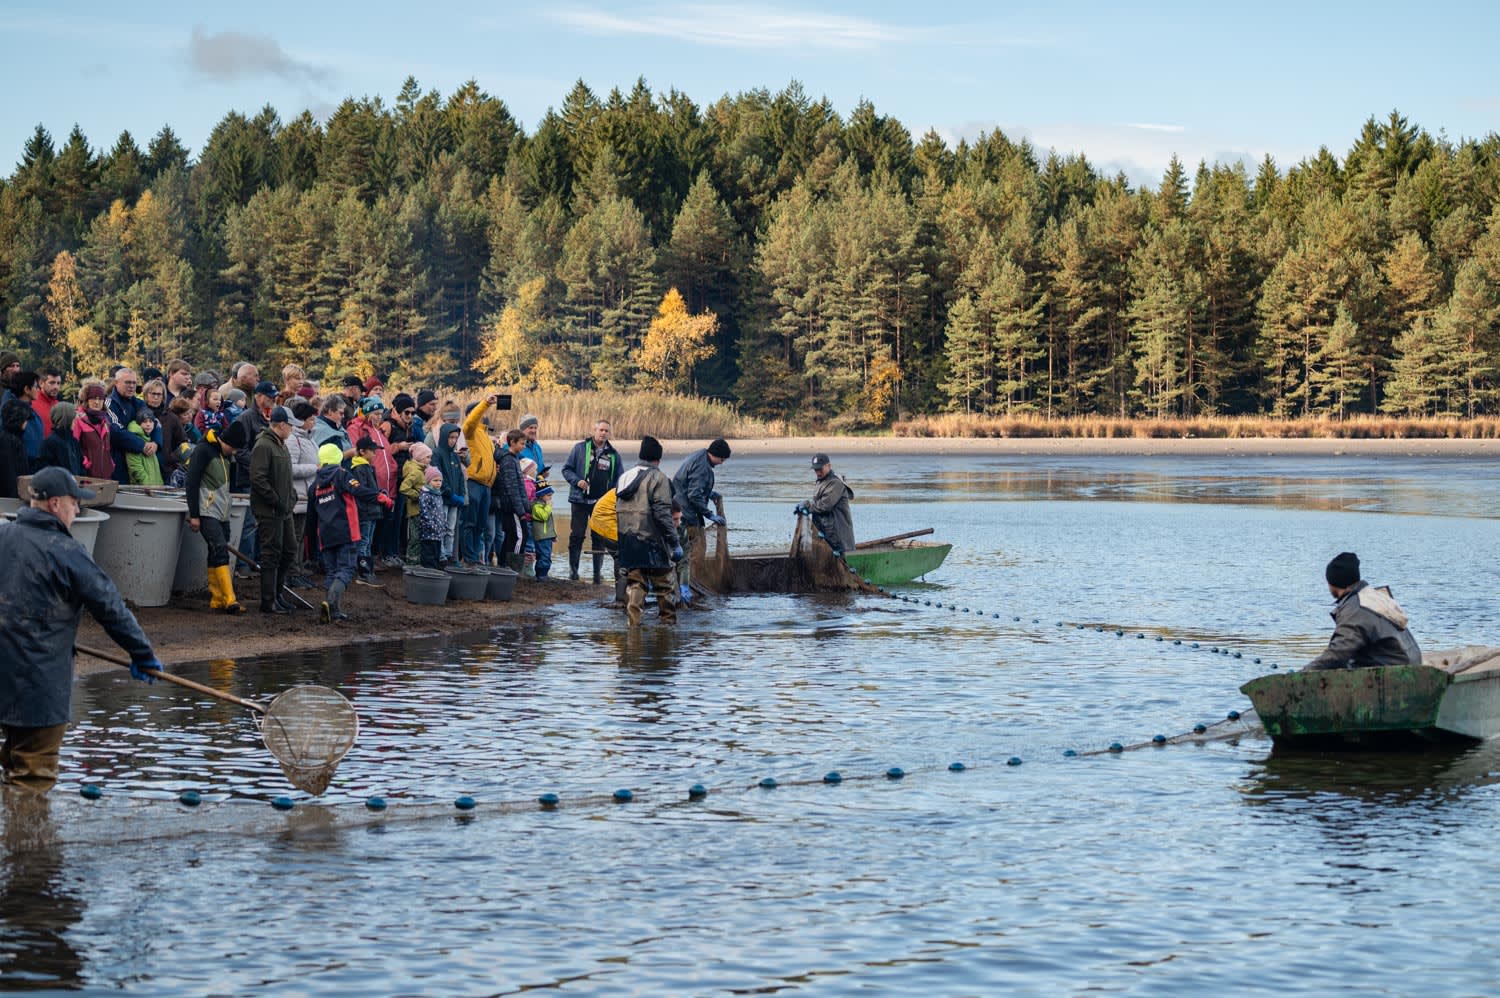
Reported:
(1207, 868)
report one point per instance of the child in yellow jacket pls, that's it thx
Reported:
(413, 481)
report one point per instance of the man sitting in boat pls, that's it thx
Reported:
(1369, 625)
(829, 507)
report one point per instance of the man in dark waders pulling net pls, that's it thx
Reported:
(829, 507)
(649, 549)
(48, 579)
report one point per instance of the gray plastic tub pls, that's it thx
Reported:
(138, 546)
(426, 586)
(85, 529)
(192, 555)
(468, 583)
(502, 584)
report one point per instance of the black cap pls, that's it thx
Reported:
(820, 461)
(650, 449)
(1343, 571)
(265, 388)
(354, 381)
(233, 435)
(280, 414)
(49, 483)
(403, 402)
(719, 449)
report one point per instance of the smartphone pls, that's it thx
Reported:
(502, 401)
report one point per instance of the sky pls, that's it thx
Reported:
(1127, 84)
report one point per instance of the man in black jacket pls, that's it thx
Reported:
(1369, 625)
(48, 579)
(510, 499)
(592, 469)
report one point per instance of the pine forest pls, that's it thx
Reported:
(770, 252)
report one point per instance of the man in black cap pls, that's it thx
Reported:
(1369, 626)
(353, 392)
(427, 404)
(273, 500)
(829, 507)
(48, 579)
(693, 489)
(256, 418)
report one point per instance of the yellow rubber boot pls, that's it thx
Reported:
(216, 599)
(226, 587)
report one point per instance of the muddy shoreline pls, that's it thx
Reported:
(188, 631)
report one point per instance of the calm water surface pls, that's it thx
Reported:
(1189, 868)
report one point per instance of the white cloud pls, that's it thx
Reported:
(1145, 127)
(750, 26)
(233, 55)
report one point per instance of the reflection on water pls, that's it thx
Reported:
(39, 903)
(1209, 867)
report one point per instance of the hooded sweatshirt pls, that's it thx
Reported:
(451, 464)
(337, 495)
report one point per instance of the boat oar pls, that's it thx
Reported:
(251, 562)
(894, 538)
(308, 729)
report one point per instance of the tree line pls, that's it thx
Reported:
(766, 250)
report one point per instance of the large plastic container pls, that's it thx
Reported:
(10, 506)
(468, 583)
(426, 586)
(138, 546)
(502, 584)
(85, 529)
(192, 555)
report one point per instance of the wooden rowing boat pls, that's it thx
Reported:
(1451, 696)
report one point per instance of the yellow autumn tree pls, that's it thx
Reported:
(351, 350)
(675, 342)
(511, 345)
(66, 310)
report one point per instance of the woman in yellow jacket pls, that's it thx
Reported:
(477, 528)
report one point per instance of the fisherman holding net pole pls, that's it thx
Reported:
(48, 580)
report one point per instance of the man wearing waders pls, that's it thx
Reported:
(648, 537)
(592, 469)
(48, 579)
(829, 507)
(693, 488)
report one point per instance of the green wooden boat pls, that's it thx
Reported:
(1451, 696)
(896, 562)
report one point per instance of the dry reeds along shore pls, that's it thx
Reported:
(572, 414)
(1210, 427)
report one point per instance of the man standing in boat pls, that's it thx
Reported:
(829, 507)
(1369, 625)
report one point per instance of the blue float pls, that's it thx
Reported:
(833, 777)
(769, 783)
(190, 798)
(895, 773)
(90, 791)
(1116, 747)
(624, 796)
(375, 803)
(1198, 729)
(1234, 715)
(547, 800)
(282, 803)
(1159, 739)
(1069, 753)
(956, 767)
(697, 791)
(1014, 760)
(464, 803)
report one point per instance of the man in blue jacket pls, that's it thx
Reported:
(120, 408)
(693, 489)
(49, 579)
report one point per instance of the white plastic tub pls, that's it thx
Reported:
(138, 546)
(86, 524)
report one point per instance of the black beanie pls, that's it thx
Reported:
(650, 449)
(719, 449)
(234, 435)
(1343, 571)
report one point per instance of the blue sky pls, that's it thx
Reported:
(1127, 84)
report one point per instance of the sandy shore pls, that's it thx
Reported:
(1059, 446)
(187, 631)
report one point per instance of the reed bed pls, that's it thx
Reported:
(571, 415)
(1208, 427)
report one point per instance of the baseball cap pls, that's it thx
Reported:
(280, 414)
(49, 483)
(265, 388)
(820, 460)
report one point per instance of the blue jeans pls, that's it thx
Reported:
(543, 557)
(338, 563)
(478, 528)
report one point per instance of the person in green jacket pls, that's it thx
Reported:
(272, 501)
(144, 468)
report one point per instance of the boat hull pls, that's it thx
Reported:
(1377, 707)
(897, 563)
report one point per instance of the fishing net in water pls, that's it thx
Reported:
(309, 729)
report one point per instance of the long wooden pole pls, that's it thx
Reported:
(893, 538)
(171, 678)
